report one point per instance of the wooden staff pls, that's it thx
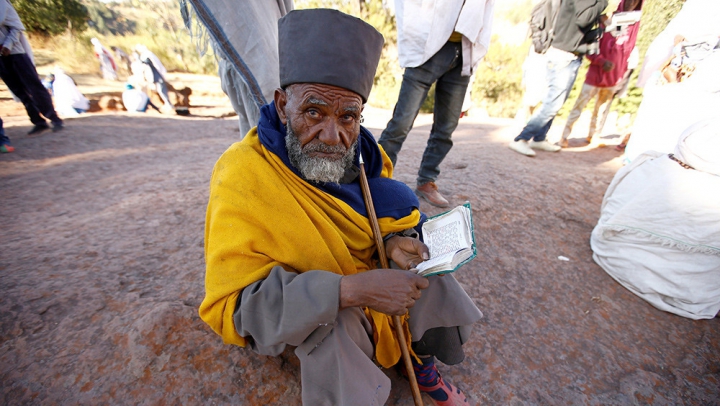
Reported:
(384, 263)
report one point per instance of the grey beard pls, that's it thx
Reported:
(318, 169)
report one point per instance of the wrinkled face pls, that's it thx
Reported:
(323, 124)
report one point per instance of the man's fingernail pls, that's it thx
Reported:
(425, 256)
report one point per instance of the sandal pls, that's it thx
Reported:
(620, 147)
(455, 397)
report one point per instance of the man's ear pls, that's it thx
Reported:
(280, 103)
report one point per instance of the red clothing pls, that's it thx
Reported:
(615, 49)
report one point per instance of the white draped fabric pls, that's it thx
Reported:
(66, 96)
(666, 110)
(659, 228)
(245, 37)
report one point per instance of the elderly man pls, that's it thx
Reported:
(289, 248)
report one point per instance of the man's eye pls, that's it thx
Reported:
(313, 113)
(349, 118)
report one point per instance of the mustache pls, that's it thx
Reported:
(318, 146)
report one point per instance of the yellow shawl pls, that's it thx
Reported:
(260, 215)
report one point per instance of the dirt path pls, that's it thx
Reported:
(101, 274)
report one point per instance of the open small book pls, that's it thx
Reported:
(450, 238)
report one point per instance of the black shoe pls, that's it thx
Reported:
(57, 127)
(38, 129)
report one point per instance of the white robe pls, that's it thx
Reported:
(424, 27)
(67, 97)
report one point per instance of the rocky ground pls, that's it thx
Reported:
(101, 273)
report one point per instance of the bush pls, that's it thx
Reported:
(108, 21)
(54, 50)
(498, 79)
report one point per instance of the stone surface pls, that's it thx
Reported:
(101, 274)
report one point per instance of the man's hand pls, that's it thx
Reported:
(389, 291)
(407, 252)
(608, 66)
(4, 51)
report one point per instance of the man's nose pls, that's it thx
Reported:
(330, 133)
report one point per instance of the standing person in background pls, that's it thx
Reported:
(145, 54)
(108, 69)
(533, 83)
(18, 71)
(440, 47)
(607, 73)
(574, 36)
(123, 57)
(155, 73)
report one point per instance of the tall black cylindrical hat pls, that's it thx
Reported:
(329, 47)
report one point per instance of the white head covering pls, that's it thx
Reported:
(96, 43)
(145, 54)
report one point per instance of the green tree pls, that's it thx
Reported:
(52, 17)
(106, 20)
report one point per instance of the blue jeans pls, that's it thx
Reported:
(560, 78)
(444, 70)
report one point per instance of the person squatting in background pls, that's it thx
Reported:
(69, 100)
(135, 100)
